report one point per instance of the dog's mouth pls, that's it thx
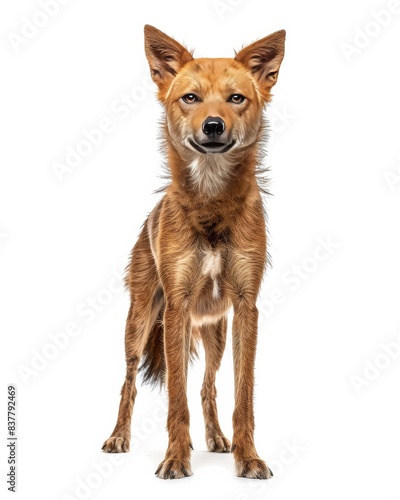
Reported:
(211, 147)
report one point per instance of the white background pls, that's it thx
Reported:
(335, 141)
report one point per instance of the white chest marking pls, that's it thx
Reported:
(212, 267)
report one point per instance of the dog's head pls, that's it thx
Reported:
(213, 105)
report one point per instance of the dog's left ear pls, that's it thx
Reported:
(165, 56)
(263, 58)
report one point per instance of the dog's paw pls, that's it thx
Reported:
(253, 468)
(173, 469)
(218, 444)
(116, 444)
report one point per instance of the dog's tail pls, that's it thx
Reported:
(153, 361)
(152, 365)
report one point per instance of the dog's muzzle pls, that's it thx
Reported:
(214, 138)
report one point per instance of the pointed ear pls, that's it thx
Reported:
(165, 56)
(263, 58)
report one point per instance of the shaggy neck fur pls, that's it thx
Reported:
(210, 176)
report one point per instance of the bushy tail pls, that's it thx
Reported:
(152, 365)
(153, 362)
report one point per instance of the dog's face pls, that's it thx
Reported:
(213, 106)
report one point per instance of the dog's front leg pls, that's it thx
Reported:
(176, 463)
(248, 463)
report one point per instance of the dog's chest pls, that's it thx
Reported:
(214, 238)
(212, 267)
(212, 302)
(212, 230)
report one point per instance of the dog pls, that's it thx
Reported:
(202, 250)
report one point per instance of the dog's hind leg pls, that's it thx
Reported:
(146, 302)
(214, 339)
(119, 440)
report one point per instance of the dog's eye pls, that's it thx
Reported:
(190, 98)
(236, 98)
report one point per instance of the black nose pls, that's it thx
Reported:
(213, 125)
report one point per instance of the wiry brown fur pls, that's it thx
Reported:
(202, 250)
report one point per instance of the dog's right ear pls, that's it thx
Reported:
(166, 57)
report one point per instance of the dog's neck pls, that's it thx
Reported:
(212, 176)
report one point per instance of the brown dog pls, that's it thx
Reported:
(203, 247)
